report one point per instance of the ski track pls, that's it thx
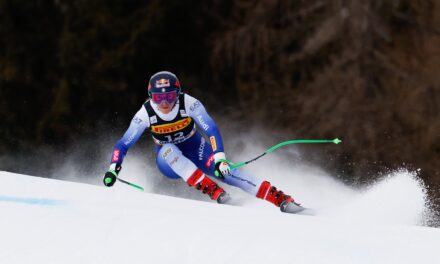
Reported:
(55, 221)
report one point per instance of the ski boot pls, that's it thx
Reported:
(278, 198)
(201, 182)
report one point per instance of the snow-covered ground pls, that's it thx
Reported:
(54, 221)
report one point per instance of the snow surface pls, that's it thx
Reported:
(55, 221)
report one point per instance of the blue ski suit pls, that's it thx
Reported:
(186, 139)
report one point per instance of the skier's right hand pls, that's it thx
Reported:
(111, 175)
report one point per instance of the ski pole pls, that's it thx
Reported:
(288, 142)
(130, 184)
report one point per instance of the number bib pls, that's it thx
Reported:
(175, 131)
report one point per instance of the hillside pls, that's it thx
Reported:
(54, 221)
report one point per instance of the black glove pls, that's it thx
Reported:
(111, 175)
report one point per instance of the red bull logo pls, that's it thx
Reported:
(162, 83)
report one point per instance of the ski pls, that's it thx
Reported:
(294, 208)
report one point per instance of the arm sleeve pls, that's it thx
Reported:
(137, 126)
(197, 111)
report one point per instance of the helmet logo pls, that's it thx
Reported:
(162, 83)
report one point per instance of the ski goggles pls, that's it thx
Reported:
(169, 97)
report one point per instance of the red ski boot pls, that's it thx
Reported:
(278, 198)
(201, 182)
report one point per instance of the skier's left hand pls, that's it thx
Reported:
(221, 168)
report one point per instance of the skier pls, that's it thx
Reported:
(182, 152)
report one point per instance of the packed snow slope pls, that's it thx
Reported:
(53, 221)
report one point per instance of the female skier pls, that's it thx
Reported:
(182, 152)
